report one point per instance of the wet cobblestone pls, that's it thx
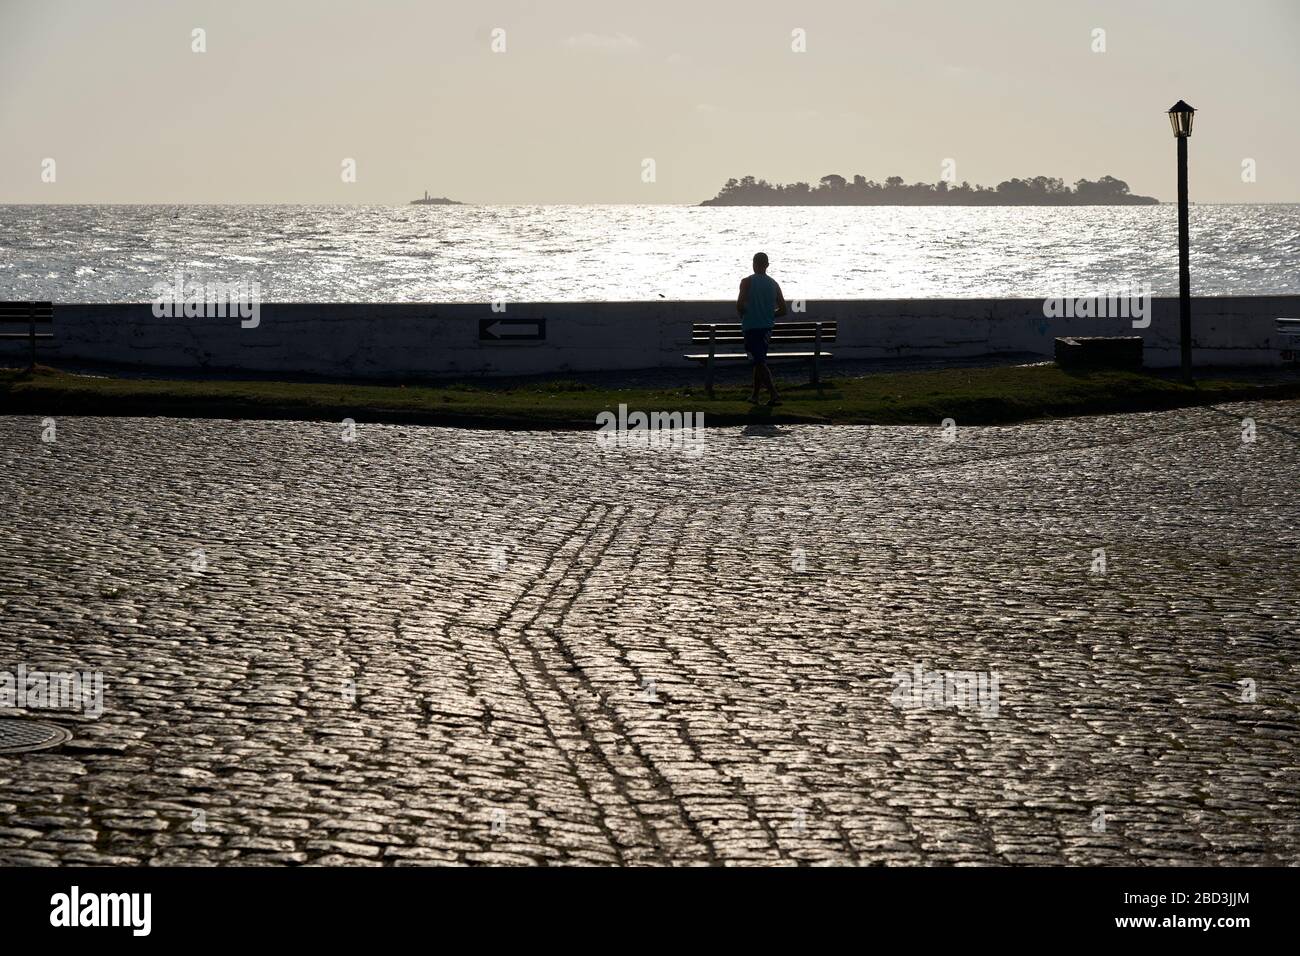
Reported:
(439, 646)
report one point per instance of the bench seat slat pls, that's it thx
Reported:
(26, 335)
(771, 356)
(776, 335)
(720, 344)
(790, 339)
(776, 330)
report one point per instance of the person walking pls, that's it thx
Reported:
(760, 304)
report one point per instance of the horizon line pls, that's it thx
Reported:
(691, 205)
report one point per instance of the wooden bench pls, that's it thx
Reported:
(31, 313)
(726, 343)
(1289, 331)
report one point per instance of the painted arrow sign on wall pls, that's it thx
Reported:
(511, 330)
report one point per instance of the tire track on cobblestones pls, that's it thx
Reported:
(660, 780)
(578, 717)
(501, 633)
(643, 769)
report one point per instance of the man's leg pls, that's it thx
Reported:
(753, 395)
(768, 383)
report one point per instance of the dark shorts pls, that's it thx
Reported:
(756, 341)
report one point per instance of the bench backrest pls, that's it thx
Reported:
(42, 313)
(782, 332)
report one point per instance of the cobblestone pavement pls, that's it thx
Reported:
(435, 645)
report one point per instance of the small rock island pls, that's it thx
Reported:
(435, 201)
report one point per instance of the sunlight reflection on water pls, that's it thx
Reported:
(594, 253)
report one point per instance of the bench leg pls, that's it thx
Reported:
(708, 366)
(817, 348)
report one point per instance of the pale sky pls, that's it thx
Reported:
(586, 90)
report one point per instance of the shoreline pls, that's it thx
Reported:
(683, 203)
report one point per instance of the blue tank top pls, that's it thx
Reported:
(760, 310)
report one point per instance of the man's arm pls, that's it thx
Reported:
(743, 297)
(780, 300)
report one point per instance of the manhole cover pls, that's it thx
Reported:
(17, 736)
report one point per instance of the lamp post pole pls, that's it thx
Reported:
(1184, 270)
(1180, 119)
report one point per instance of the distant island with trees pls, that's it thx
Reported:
(835, 190)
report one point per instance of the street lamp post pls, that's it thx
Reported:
(1180, 118)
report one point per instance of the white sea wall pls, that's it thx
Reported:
(413, 340)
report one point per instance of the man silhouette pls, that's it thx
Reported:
(760, 304)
